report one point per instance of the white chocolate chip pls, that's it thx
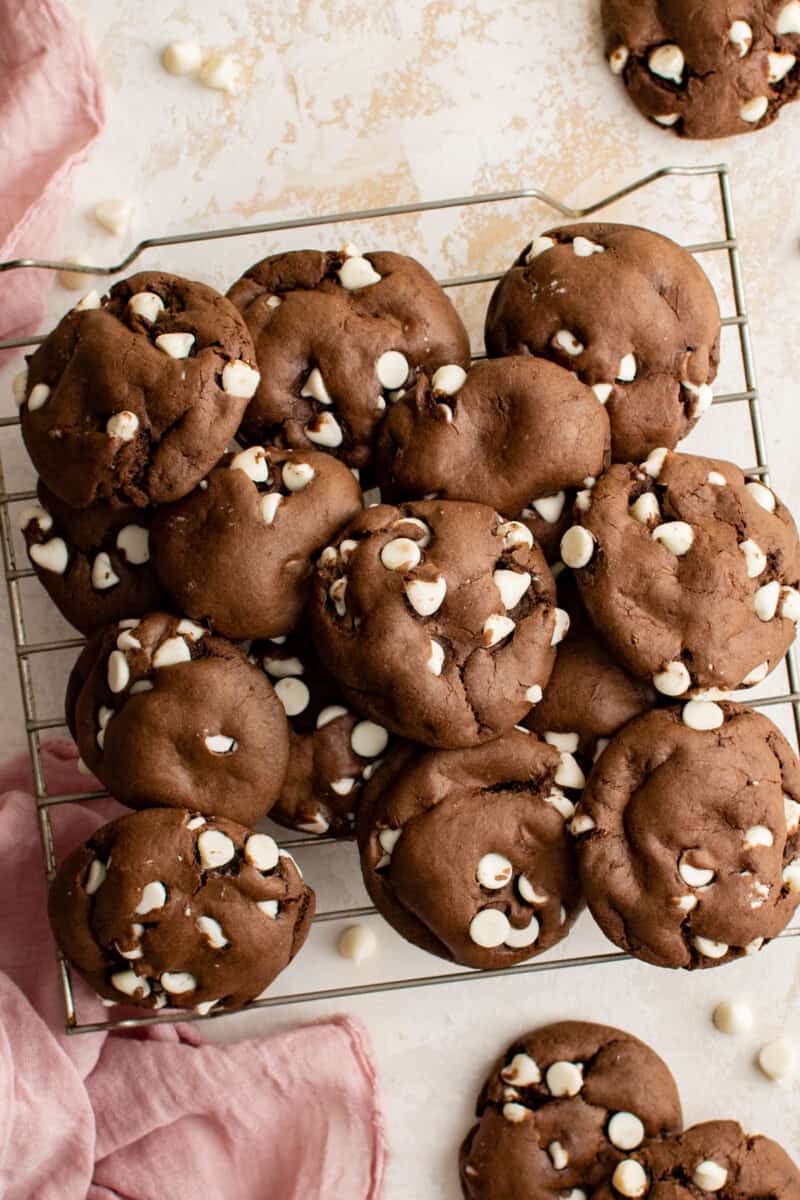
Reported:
(530, 894)
(740, 35)
(357, 943)
(558, 1156)
(583, 248)
(673, 680)
(215, 849)
(754, 557)
(494, 871)
(182, 58)
(261, 851)
(175, 345)
(668, 119)
(123, 425)
(709, 948)
(512, 586)
(114, 215)
(253, 462)
(133, 542)
(581, 824)
(566, 742)
(790, 604)
(178, 982)
(426, 595)
(603, 391)
(791, 810)
(268, 506)
(709, 1176)
(788, 19)
(732, 1017)
(618, 59)
(280, 668)
(51, 556)
(205, 1007)
(561, 803)
(239, 379)
(220, 743)
(118, 672)
(172, 651)
(516, 1113)
(357, 272)
(766, 600)
(518, 939)
(489, 928)
(331, 713)
(539, 245)
(695, 877)
(522, 1071)
(324, 430)
(424, 529)
(676, 536)
(717, 478)
(779, 66)
(791, 876)
(577, 547)
(19, 386)
(653, 465)
(146, 305)
(550, 508)
(154, 896)
(625, 1131)
(776, 1059)
(297, 475)
(103, 574)
(533, 694)
(762, 495)
(645, 509)
(129, 983)
(268, 907)
(496, 628)
(95, 877)
(515, 534)
(319, 824)
(191, 629)
(626, 372)
(435, 660)
(600, 747)
(293, 695)
(337, 592)
(273, 302)
(569, 773)
(388, 839)
(702, 714)
(565, 340)
(754, 109)
(757, 835)
(583, 500)
(392, 369)
(667, 62)
(141, 685)
(630, 1179)
(39, 395)
(561, 628)
(212, 932)
(368, 740)
(315, 387)
(564, 1078)
(220, 72)
(401, 554)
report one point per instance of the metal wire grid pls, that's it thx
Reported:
(14, 574)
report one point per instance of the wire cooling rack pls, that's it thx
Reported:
(746, 400)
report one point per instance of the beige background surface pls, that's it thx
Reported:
(343, 105)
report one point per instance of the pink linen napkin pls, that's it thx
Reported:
(160, 1113)
(51, 110)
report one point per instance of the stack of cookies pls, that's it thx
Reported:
(508, 677)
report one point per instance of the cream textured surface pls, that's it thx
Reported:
(347, 104)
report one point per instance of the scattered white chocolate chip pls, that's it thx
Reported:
(215, 849)
(89, 302)
(293, 695)
(717, 478)
(392, 369)
(297, 476)
(114, 215)
(740, 35)
(618, 59)
(220, 743)
(776, 1059)
(280, 668)
(388, 839)
(191, 629)
(331, 713)
(534, 693)
(261, 851)
(577, 547)
(583, 500)
(709, 1176)
(39, 395)
(357, 943)
(401, 554)
(357, 272)
(709, 948)
(172, 651)
(583, 248)
(512, 586)
(696, 877)
(268, 506)
(569, 773)
(123, 425)
(449, 380)
(253, 462)
(273, 302)
(516, 1113)
(757, 835)
(268, 907)
(494, 871)
(129, 983)
(103, 574)
(790, 604)
(182, 58)
(566, 742)
(602, 391)
(489, 928)
(625, 1131)
(178, 982)
(788, 19)
(212, 932)
(653, 465)
(515, 534)
(324, 430)
(565, 340)
(626, 371)
(118, 672)
(74, 281)
(673, 680)
(368, 739)
(146, 305)
(319, 824)
(762, 495)
(558, 1156)
(667, 62)
(791, 810)
(175, 345)
(19, 386)
(733, 1017)
(564, 1078)
(539, 245)
(645, 509)
(754, 557)
(600, 747)
(522, 1071)
(239, 379)
(205, 1007)
(779, 66)
(550, 508)
(766, 600)
(51, 556)
(561, 803)
(702, 714)
(426, 595)
(676, 536)
(435, 660)
(754, 109)
(424, 529)
(581, 824)
(496, 628)
(95, 876)
(154, 896)
(791, 876)
(337, 592)
(220, 72)
(141, 685)
(518, 939)
(630, 1179)
(314, 387)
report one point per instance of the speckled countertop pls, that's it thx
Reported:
(345, 104)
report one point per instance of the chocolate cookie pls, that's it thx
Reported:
(465, 853)
(688, 835)
(562, 1107)
(93, 562)
(438, 619)
(631, 312)
(237, 552)
(133, 398)
(689, 571)
(332, 751)
(337, 334)
(709, 70)
(165, 714)
(716, 1158)
(168, 907)
(510, 431)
